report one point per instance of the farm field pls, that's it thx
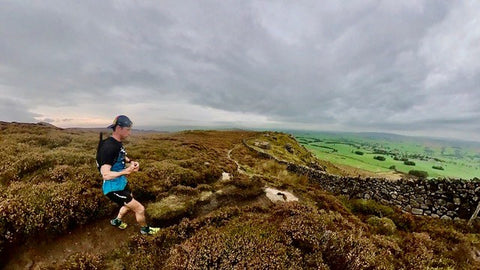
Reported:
(451, 159)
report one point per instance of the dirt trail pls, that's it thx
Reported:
(98, 237)
(240, 169)
(229, 156)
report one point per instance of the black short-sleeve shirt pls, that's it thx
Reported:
(109, 152)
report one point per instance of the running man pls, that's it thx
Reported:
(111, 160)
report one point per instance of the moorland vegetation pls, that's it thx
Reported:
(49, 184)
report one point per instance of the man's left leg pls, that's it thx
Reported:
(139, 210)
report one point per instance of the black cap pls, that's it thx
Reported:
(122, 121)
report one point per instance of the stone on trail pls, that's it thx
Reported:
(276, 195)
(225, 176)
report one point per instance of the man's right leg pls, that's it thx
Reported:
(139, 210)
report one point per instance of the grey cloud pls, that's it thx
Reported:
(368, 64)
(15, 111)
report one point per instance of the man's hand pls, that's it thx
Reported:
(136, 166)
(130, 169)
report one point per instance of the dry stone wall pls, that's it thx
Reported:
(440, 198)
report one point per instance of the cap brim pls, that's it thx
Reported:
(111, 126)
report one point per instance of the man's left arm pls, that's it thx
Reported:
(134, 163)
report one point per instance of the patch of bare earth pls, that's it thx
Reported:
(98, 237)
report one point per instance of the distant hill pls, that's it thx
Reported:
(394, 137)
(436, 140)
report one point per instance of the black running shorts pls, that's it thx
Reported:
(121, 197)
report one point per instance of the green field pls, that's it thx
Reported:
(458, 159)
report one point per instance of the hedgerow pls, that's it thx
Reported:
(418, 173)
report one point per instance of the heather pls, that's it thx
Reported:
(50, 184)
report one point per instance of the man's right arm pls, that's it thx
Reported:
(107, 174)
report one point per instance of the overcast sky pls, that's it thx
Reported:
(409, 67)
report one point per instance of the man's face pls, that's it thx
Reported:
(124, 132)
